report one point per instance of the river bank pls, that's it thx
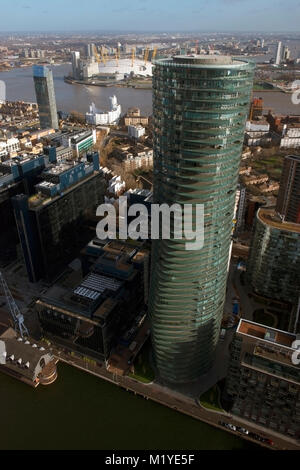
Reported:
(119, 84)
(81, 411)
(20, 86)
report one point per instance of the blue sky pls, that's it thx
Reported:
(150, 15)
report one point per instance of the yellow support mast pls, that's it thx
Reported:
(154, 53)
(103, 56)
(146, 56)
(132, 56)
(97, 55)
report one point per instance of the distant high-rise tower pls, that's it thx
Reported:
(90, 50)
(200, 109)
(288, 202)
(76, 64)
(278, 53)
(286, 53)
(45, 95)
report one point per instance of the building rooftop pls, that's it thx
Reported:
(269, 217)
(293, 157)
(20, 159)
(60, 168)
(22, 355)
(204, 61)
(261, 332)
(82, 297)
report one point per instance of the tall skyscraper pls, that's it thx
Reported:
(90, 50)
(75, 64)
(200, 109)
(278, 58)
(76, 70)
(288, 202)
(286, 53)
(45, 95)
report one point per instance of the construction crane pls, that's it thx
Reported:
(154, 53)
(117, 59)
(132, 56)
(146, 56)
(17, 317)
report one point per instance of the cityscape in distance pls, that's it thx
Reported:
(150, 229)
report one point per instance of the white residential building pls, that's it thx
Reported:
(116, 186)
(136, 132)
(290, 137)
(9, 146)
(257, 133)
(141, 160)
(96, 117)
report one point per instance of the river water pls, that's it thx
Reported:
(80, 411)
(19, 86)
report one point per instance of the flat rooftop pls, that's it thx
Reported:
(269, 217)
(59, 168)
(21, 159)
(261, 332)
(204, 61)
(85, 298)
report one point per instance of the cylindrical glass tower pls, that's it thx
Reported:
(200, 104)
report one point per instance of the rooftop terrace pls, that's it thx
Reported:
(261, 332)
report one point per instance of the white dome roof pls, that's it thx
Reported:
(125, 67)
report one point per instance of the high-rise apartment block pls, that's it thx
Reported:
(263, 382)
(278, 58)
(288, 202)
(76, 71)
(45, 95)
(17, 175)
(200, 109)
(274, 262)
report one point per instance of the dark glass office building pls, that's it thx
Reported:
(200, 105)
(288, 202)
(45, 95)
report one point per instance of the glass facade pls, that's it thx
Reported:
(45, 95)
(200, 106)
(274, 262)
